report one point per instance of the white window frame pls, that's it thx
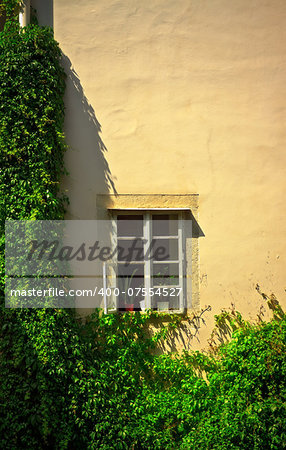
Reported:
(147, 236)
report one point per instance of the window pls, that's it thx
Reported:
(148, 270)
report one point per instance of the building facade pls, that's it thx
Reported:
(179, 107)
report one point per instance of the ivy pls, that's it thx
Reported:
(103, 384)
(36, 347)
(32, 147)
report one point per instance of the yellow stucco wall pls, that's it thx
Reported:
(185, 97)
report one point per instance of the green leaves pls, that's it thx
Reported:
(36, 367)
(32, 84)
(103, 384)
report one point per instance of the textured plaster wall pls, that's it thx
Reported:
(185, 97)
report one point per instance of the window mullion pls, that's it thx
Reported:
(181, 258)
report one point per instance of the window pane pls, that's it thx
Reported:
(165, 274)
(137, 258)
(164, 249)
(130, 270)
(130, 281)
(129, 225)
(169, 302)
(165, 224)
(130, 250)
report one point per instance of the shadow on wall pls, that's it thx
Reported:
(183, 336)
(196, 229)
(89, 173)
(44, 11)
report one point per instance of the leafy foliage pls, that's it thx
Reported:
(102, 384)
(238, 404)
(31, 119)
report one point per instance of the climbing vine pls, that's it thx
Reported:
(32, 146)
(102, 384)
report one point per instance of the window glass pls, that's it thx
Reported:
(165, 274)
(164, 249)
(168, 302)
(130, 281)
(148, 266)
(130, 249)
(165, 224)
(129, 225)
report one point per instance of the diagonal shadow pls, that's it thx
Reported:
(89, 172)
